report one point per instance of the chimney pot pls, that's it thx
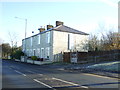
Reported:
(41, 29)
(49, 26)
(59, 23)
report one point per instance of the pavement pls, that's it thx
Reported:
(85, 69)
(80, 68)
(77, 67)
(56, 76)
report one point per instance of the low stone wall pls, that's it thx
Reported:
(30, 61)
(34, 61)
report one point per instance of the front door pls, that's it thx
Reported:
(42, 52)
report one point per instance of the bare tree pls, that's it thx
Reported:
(93, 43)
(13, 38)
(110, 41)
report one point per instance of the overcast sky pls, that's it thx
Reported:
(83, 15)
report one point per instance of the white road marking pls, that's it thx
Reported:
(20, 73)
(42, 83)
(100, 76)
(31, 72)
(69, 82)
(83, 86)
(40, 74)
(35, 73)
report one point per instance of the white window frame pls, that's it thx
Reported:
(23, 44)
(68, 41)
(39, 37)
(34, 52)
(38, 51)
(42, 53)
(47, 52)
(31, 52)
(71, 41)
(23, 50)
(27, 52)
(48, 37)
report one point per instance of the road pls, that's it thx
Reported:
(27, 76)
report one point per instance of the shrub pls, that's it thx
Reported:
(29, 57)
(40, 59)
(34, 57)
(17, 54)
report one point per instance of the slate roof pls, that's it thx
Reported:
(64, 28)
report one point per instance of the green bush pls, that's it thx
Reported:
(17, 54)
(34, 57)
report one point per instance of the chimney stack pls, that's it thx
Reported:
(59, 23)
(49, 26)
(41, 29)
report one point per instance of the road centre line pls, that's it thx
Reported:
(31, 72)
(100, 76)
(20, 73)
(69, 82)
(35, 73)
(40, 74)
(43, 83)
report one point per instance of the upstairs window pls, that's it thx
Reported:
(47, 52)
(48, 37)
(23, 44)
(70, 41)
(39, 39)
(31, 41)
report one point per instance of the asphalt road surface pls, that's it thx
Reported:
(17, 75)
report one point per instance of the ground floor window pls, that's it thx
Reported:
(47, 52)
(34, 52)
(38, 52)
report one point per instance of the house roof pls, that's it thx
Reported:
(64, 28)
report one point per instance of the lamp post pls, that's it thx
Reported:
(25, 33)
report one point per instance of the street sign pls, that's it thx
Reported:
(73, 57)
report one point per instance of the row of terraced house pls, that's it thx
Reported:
(52, 42)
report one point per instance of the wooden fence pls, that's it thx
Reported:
(93, 56)
(66, 57)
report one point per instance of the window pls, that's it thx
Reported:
(23, 50)
(47, 52)
(27, 52)
(42, 52)
(38, 52)
(23, 44)
(34, 54)
(38, 39)
(30, 52)
(48, 37)
(70, 41)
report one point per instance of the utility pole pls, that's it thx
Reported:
(25, 35)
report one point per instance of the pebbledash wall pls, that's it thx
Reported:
(51, 43)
